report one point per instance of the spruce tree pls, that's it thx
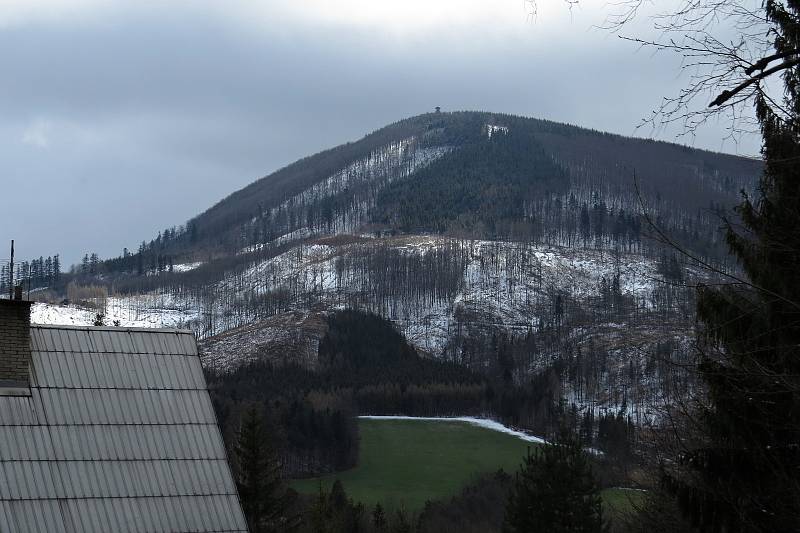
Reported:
(744, 475)
(379, 518)
(265, 501)
(320, 515)
(555, 491)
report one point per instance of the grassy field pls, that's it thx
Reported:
(619, 501)
(406, 462)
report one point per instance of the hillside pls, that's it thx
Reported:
(514, 246)
(521, 169)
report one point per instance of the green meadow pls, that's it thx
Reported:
(406, 462)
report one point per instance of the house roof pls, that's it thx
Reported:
(118, 434)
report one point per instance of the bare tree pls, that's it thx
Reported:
(731, 55)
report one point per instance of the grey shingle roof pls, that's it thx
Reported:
(118, 435)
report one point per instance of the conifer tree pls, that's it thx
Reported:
(265, 501)
(379, 517)
(321, 514)
(346, 516)
(555, 491)
(744, 475)
(400, 524)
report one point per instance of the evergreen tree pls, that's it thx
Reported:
(56, 268)
(585, 224)
(379, 517)
(94, 262)
(400, 524)
(345, 515)
(555, 491)
(745, 473)
(264, 499)
(321, 515)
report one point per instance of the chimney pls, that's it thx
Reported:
(15, 344)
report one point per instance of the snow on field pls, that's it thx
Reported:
(61, 315)
(481, 422)
(145, 311)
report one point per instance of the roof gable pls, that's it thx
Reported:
(118, 434)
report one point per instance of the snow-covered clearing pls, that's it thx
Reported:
(186, 267)
(142, 311)
(492, 129)
(503, 284)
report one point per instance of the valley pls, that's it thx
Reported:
(449, 265)
(351, 266)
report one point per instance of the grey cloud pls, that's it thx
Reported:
(112, 132)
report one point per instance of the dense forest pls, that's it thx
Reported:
(365, 367)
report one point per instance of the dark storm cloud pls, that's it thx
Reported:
(135, 121)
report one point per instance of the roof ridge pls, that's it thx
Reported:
(113, 329)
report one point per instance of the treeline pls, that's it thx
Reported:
(33, 274)
(154, 257)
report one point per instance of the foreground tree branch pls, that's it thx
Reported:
(726, 95)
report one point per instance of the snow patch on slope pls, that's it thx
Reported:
(480, 422)
(145, 311)
(186, 267)
(492, 129)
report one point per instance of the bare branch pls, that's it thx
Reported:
(726, 95)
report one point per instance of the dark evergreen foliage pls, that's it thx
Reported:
(361, 350)
(379, 518)
(335, 512)
(615, 434)
(555, 491)
(265, 500)
(481, 189)
(33, 274)
(478, 508)
(744, 474)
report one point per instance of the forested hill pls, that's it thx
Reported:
(471, 174)
(512, 246)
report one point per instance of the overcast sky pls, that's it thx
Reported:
(120, 119)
